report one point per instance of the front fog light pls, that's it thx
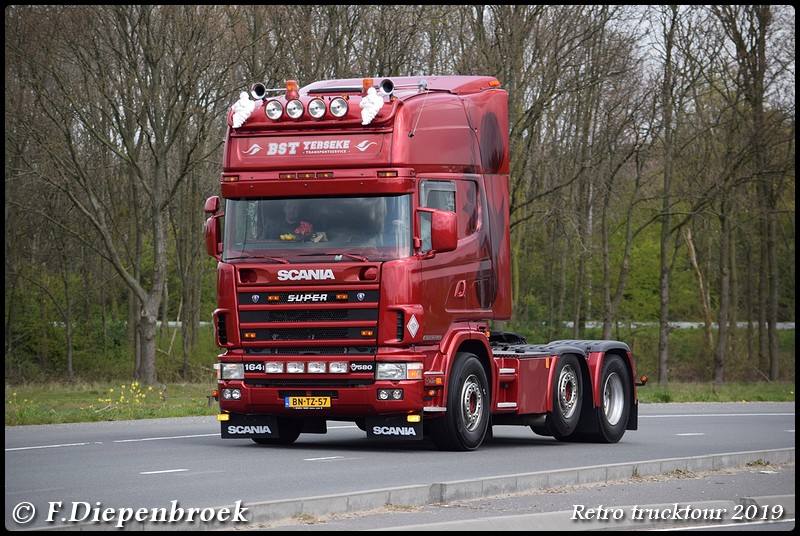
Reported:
(397, 394)
(383, 394)
(231, 394)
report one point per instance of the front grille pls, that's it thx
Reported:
(222, 328)
(313, 350)
(348, 316)
(309, 315)
(306, 382)
(401, 319)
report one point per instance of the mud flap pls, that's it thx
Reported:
(249, 426)
(393, 428)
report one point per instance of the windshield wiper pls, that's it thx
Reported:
(274, 259)
(337, 256)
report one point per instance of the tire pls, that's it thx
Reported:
(465, 424)
(288, 432)
(567, 398)
(615, 400)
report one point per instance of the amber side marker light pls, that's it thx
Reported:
(642, 380)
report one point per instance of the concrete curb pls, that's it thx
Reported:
(445, 492)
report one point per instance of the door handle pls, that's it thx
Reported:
(461, 289)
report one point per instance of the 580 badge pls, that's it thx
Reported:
(362, 367)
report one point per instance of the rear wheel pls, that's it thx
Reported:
(464, 425)
(615, 400)
(288, 432)
(567, 398)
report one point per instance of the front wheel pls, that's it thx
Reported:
(567, 398)
(464, 425)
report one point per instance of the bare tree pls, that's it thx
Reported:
(749, 28)
(133, 86)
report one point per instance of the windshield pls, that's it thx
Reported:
(318, 229)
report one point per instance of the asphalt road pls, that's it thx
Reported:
(66, 475)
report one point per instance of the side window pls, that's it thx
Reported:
(438, 194)
(434, 194)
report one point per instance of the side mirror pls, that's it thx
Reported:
(213, 227)
(444, 231)
(212, 205)
(438, 231)
(213, 231)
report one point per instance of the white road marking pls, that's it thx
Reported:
(161, 438)
(162, 472)
(48, 446)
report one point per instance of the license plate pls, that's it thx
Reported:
(307, 401)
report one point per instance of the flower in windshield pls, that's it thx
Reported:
(305, 229)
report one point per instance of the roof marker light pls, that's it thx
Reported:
(292, 90)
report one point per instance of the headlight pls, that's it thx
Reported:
(274, 109)
(316, 108)
(337, 367)
(294, 367)
(398, 371)
(273, 367)
(338, 107)
(294, 109)
(231, 371)
(316, 367)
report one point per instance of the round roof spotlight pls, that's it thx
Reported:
(338, 107)
(274, 109)
(316, 108)
(294, 109)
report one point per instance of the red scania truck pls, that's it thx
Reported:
(362, 240)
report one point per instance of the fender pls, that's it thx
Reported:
(556, 354)
(454, 339)
(596, 351)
